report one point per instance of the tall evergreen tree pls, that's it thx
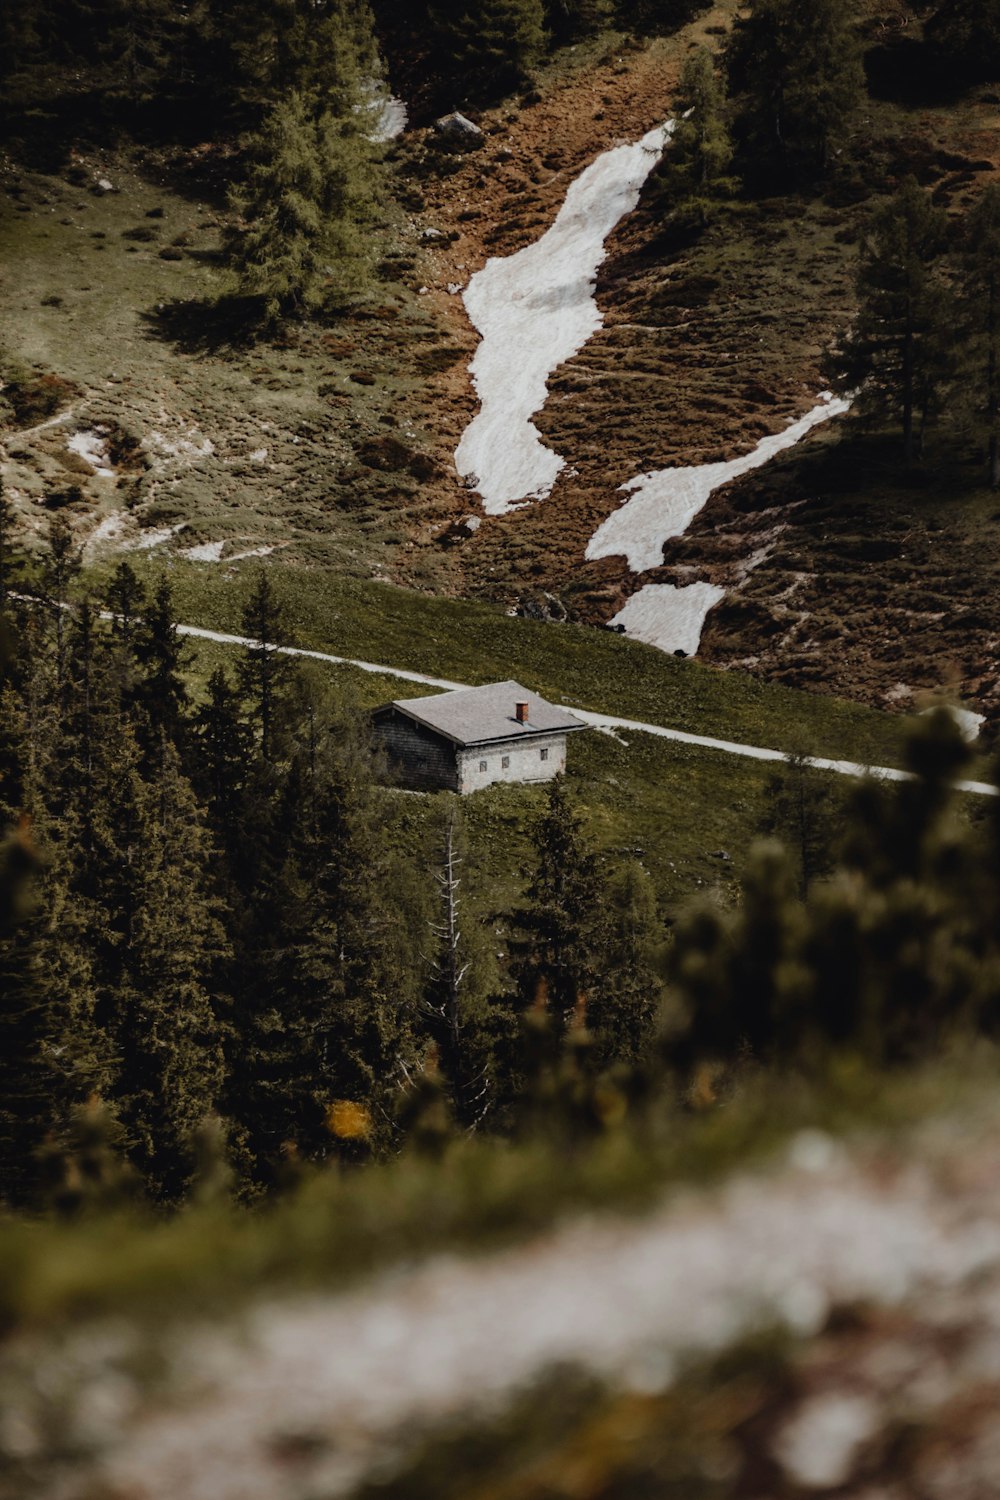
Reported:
(797, 66)
(304, 231)
(555, 952)
(966, 33)
(264, 671)
(897, 354)
(169, 1074)
(490, 47)
(979, 283)
(695, 166)
(630, 982)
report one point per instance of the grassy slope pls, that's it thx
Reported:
(692, 813)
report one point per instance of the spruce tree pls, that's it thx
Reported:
(694, 170)
(796, 64)
(168, 1031)
(303, 235)
(979, 283)
(630, 983)
(896, 356)
(454, 1005)
(966, 34)
(559, 929)
(61, 563)
(490, 48)
(265, 672)
(161, 656)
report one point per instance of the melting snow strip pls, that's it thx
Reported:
(665, 502)
(535, 310)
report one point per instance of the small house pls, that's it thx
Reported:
(467, 739)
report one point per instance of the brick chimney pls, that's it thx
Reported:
(521, 710)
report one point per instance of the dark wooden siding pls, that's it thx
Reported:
(417, 757)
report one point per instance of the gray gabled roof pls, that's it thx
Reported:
(478, 716)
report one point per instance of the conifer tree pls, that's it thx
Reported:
(125, 597)
(897, 354)
(223, 743)
(264, 671)
(554, 957)
(797, 66)
(967, 34)
(169, 1074)
(695, 164)
(979, 281)
(569, 19)
(491, 47)
(60, 565)
(303, 235)
(453, 1001)
(629, 986)
(161, 657)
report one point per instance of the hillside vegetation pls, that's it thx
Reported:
(628, 1135)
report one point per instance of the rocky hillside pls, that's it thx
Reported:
(137, 409)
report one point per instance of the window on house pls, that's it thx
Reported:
(505, 763)
(544, 754)
(482, 765)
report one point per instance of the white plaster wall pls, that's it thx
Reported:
(526, 762)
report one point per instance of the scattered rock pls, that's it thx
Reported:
(103, 186)
(459, 132)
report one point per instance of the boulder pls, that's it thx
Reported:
(459, 132)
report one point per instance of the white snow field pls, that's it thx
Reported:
(535, 310)
(665, 502)
(662, 505)
(669, 617)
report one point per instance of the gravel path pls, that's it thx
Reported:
(607, 722)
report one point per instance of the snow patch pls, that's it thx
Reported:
(212, 552)
(192, 445)
(107, 534)
(204, 552)
(147, 540)
(668, 617)
(966, 722)
(92, 447)
(390, 116)
(664, 502)
(535, 310)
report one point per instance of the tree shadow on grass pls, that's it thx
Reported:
(215, 325)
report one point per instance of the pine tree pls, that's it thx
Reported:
(695, 165)
(161, 657)
(569, 19)
(125, 598)
(966, 33)
(554, 958)
(223, 743)
(797, 66)
(897, 354)
(492, 47)
(264, 671)
(169, 1076)
(629, 986)
(329, 977)
(979, 281)
(61, 563)
(303, 235)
